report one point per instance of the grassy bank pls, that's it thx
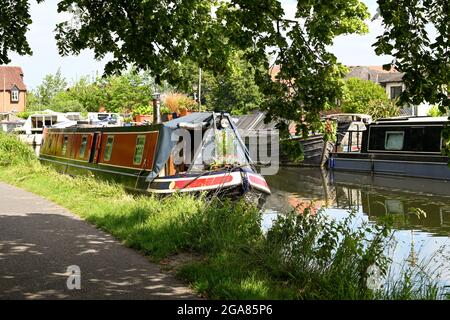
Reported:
(302, 257)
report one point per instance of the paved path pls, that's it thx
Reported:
(39, 240)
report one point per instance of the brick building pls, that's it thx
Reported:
(13, 92)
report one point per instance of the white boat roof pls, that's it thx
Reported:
(412, 120)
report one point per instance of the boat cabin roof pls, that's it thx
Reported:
(349, 117)
(411, 120)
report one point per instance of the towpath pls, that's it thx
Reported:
(39, 240)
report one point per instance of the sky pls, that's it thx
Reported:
(350, 50)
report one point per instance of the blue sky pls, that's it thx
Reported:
(350, 50)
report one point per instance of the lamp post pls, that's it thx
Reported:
(156, 107)
(194, 89)
(197, 88)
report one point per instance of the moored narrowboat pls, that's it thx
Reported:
(399, 146)
(198, 152)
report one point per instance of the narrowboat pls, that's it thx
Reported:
(199, 152)
(402, 146)
(350, 127)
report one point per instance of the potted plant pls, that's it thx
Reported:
(143, 113)
(178, 103)
(165, 113)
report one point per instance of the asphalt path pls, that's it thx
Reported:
(40, 240)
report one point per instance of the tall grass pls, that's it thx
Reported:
(303, 256)
(13, 152)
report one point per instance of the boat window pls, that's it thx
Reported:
(64, 146)
(108, 148)
(83, 147)
(139, 151)
(394, 140)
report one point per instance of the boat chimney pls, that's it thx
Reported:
(156, 108)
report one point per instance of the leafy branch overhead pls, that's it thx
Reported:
(157, 35)
(160, 36)
(417, 35)
(14, 22)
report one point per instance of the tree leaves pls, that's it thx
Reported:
(14, 22)
(159, 35)
(425, 61)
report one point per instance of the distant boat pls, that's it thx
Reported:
(350, 127)
(142, 157)
(316, 150)
(400, 147)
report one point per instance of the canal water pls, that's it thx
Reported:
(418, 239)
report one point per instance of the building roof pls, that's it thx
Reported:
(390, 77)
(10, 77)
(375, 73)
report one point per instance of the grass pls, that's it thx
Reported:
(303, 256)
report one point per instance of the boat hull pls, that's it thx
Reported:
(235, 183)
(428, 167)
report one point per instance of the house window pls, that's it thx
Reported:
(15, 95)
(64, 146)
(108, 148)
(139, 151)
(83, 147)
(396, 91)
(394, 140)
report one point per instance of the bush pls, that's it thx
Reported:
(435, 111)
(13, 151)
(382, 109)
(24, 114)
(177, 102)
(360, 94)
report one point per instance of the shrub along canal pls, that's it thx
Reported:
(420, 208)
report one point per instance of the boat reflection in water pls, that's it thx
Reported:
(417, 237)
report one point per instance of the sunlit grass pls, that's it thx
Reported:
(301, 257)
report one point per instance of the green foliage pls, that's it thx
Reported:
(13, 151)
(176, 32)
(143, 110)
(435, 112)
(50, 87)
(64, 101)
(33, 103)
(424, 59)
(14, 23)
(117, 93)
(306, 255)
(325, 256)
(360, 94)
(24, 114)
(293, 149)
(329, 130)
(383, 109)
(234, 90)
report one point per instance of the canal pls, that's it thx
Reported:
(419, 239)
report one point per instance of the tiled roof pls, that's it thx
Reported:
(390, 77)
(11, 76)
(375, 73)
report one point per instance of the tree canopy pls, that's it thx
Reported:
(359, 94)
(117, 93)
(410, 26)
(159, 35)
(234, 90)
(14, 21)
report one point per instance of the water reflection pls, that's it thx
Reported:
(421, 207)
(321, 188)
